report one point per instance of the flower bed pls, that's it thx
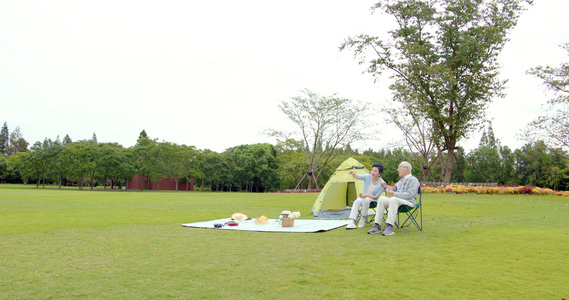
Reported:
(300, 191)
(512, 189)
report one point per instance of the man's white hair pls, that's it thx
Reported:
(408, 165)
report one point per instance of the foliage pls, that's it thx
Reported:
(79, 161)
(217, 170)
(325, 125)
(263, 167)
(17, 142)
(255, 166)
(442, 60)
(113, 163)
(4, 140)
(5, 167)
(553, 127)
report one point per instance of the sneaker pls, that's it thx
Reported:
(375, 229)
(388, 230)
(362, 223)
(351, 225)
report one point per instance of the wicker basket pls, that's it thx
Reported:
(287, 222)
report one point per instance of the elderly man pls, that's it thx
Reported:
(403, 192)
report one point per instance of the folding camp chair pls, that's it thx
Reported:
(369, 215)
(411, 215)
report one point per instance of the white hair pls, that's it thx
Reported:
(407, 165)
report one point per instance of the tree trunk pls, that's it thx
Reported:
(310, 182)
(447, 166)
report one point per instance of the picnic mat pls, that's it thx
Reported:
(273, 225)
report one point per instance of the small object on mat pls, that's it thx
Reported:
(239, 217)
(232, 223)
(217, 225)
(286, 222)
(261, 220)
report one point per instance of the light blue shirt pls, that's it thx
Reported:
(377, 190)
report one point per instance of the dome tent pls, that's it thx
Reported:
(333, 202)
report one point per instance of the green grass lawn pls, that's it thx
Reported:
(102, 244)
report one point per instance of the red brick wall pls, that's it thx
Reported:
(167, 184)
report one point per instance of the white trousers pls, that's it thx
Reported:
(391, 204)
(360, 202)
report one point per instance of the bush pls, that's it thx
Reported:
(512, 190)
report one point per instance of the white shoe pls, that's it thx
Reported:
(351, 225)
(362, 223)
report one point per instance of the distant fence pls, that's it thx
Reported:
(459, 183)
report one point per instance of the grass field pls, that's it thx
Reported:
(130, 245)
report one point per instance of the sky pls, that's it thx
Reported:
(211, 74)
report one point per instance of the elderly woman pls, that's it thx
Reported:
(371, 191)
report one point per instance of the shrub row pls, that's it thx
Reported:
(512, 189)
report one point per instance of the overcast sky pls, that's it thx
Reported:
(212, 73)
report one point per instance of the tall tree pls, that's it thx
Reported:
(143, 134)
(255, 165)
(183, 163)
(5, 167)
(324, 125)
(17, 142)
(159, 156)
(418, 132)
(79, 161)
(4, 140)
(113, 164)
(67, 140)
(553, 127)
(442, 58)
(141, 157)
(216, 170)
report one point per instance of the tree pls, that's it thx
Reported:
(325, 125)
(216, 170)
(141, 156)
(17, 142)
(4, 140)
(159, 156)
(5, 167)
(37, 163)
(183, 163)
(67, 140)
(143, 134)
(418, 132)
(291, 164)
(55, 167)
(442, 58)
(553, 128)
(79, 161)
(16, 165)
(26, 166)
(533, 160)
(112, 163)
(255, 165)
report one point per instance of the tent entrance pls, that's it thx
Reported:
(336, 203)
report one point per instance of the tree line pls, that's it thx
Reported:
(264, 167)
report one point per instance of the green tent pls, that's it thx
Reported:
(334, 201)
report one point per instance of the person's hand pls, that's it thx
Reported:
(384, 185)
(390, 192)
(351, 172)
